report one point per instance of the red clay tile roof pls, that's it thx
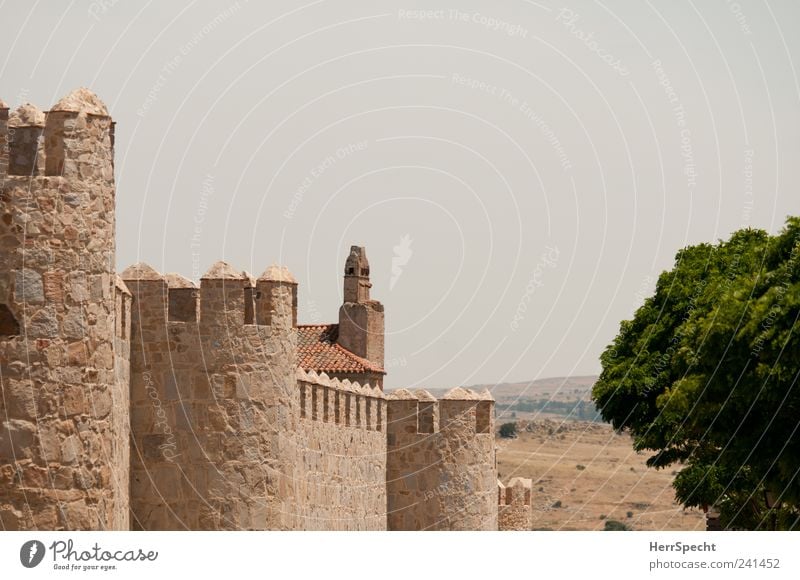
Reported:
(317, 350)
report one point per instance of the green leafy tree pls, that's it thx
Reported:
(706, 374)
(615, 526)
(508, 430)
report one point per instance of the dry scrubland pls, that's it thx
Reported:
(595, 475)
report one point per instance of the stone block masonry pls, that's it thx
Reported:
(63, 361)
(514, 505)
(337, 480)
(440, 461)
(145, 401)
(210, 399)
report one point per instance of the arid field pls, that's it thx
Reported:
(584, 474)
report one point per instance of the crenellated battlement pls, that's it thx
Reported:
(147, 400)
(418, 412)
(440, 470)
(225, 297)
(517, 492)
(63, 321)
(343, 403)
(271, 286)
(122, 310)
(73, 140)
(336, 462)
(514, 506)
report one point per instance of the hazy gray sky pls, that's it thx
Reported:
(520, 173)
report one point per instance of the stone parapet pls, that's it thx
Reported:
(63, 343)
(440, 461)
(515, 512)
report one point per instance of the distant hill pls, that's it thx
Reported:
(563, 397)
(556, 388)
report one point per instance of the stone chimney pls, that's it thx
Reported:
(361, 323)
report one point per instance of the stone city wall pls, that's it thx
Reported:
(145, 402)
(338, 479)
(440, 472)
(210, 389)
(63, 409)
(514, 505)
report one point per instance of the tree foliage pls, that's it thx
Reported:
(615, 526)
(508, 430)
(706, 376)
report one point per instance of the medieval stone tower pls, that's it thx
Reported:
(63, 317)
(150, 402)
(360, 319)
(213, 373)
(440, 464)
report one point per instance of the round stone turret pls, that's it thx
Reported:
(271, 286)
(64, 434)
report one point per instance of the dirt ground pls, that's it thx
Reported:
(595, 475)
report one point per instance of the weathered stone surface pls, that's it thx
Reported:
(140, 271)
(20, 398)
(28, 287)
(71, 450)
(17, 439)
(74, 324)
(77, 354)
(54, 286)
(78, 287)
(56, 203)
(222, 271)
(514, 505)
(278, 274)
(81, 100)
(26, 115)
(43, 324)
(440, 471)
